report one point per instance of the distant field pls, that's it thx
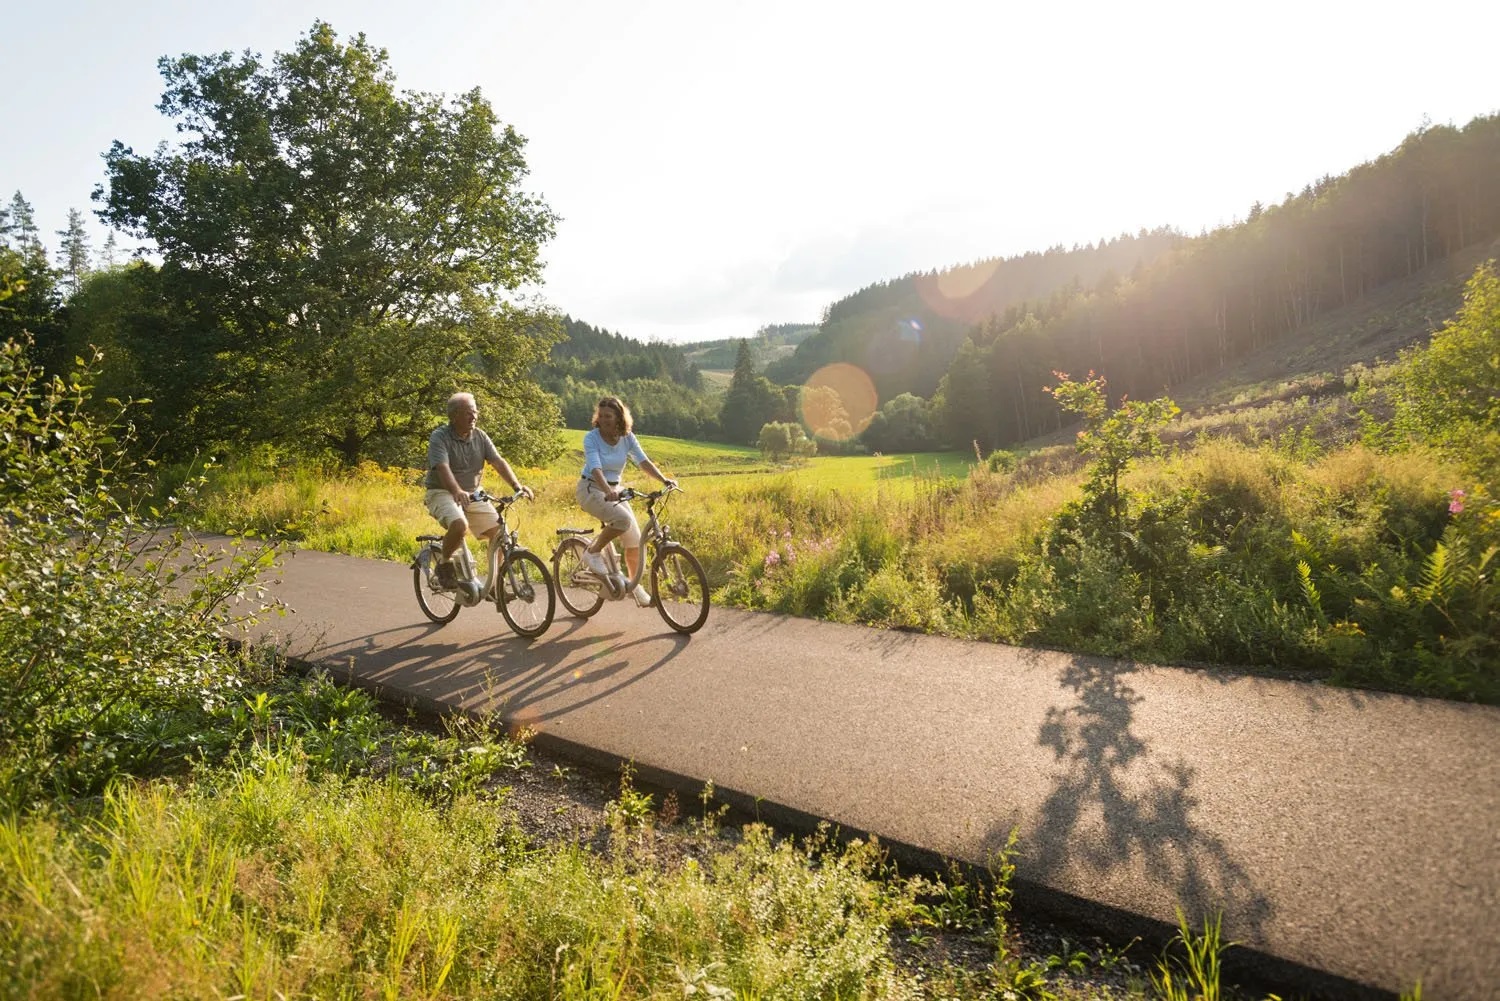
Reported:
(689, 459)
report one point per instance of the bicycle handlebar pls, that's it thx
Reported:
(483, 495)
(631, 493)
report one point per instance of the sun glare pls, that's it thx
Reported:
(956, 294)
(838, 401)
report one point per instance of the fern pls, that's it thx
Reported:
(1437, 577)
(1310, 589)
(1303, 547)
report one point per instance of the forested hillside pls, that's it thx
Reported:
(905, 332)
(770, 343)
(658, 381)
(588, 352)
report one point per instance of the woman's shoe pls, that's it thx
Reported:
(642, 596)
(595, 562)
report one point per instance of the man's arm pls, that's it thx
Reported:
(508, 475)
(450, 483)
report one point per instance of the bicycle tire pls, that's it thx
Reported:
(438, 603)
(680, 589)
(580, 599)
(524, 594)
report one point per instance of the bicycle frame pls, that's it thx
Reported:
(504, 542)
(515, 578)
(654, 535)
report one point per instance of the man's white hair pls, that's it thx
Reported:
(460, 398)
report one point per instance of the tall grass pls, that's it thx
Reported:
(264, 882)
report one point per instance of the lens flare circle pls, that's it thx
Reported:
(838, 401)
(960, 293)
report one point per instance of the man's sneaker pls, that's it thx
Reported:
(595, 562)
(642, 596)
(447, 575)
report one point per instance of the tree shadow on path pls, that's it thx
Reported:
(1120, 812)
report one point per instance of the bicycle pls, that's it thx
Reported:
(679, 588)
(518, 584)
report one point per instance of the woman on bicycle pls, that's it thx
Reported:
(605, 450)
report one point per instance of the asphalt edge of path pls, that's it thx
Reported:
(1250, 969)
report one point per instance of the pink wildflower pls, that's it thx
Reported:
(1455, 501)
(772, 558)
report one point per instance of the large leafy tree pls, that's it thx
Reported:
(366, 251)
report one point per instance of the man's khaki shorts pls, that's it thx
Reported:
(481, 515)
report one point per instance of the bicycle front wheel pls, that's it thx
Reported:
(525, 594)
(577, 587)
(438, 603)
(680, 589)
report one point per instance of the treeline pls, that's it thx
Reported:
(905, 332)
(664, 389)
(767, 342)
(588, 352)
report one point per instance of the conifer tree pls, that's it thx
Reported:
(32, 307)
(73, 253)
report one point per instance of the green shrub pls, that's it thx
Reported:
(109, 620)
(1449, 390)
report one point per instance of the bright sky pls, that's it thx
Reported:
(720, 166)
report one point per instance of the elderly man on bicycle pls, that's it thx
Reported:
(456, 456)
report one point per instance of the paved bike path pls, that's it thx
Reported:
(1352, 833)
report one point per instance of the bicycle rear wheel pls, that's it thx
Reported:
(525, 594)
(680, 589)
(577, 587)
(438, 603)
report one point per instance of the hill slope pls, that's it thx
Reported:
(1257, 396)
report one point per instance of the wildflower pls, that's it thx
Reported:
(1455, 501)
(772, 558)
